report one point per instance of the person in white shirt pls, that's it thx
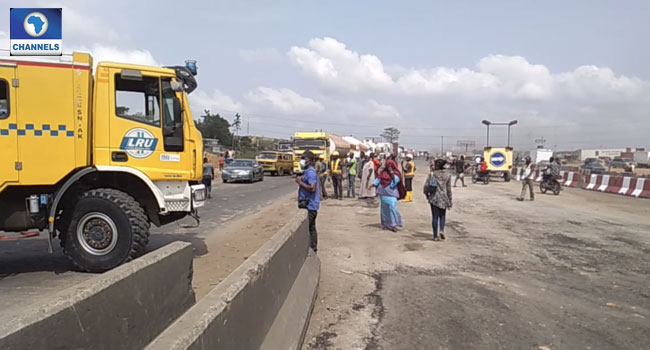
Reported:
(527, 180)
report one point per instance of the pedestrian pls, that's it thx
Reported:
(229, 156)
(376, 163)
(527, 180)
(367, 178)
(336, 174)
(460, 170)
(208, 176)
(360, 164)
(322, 176)
(437, 188)
(409, 173)
(222, 161)
(308, 197)
(386, 185)
(352, 175)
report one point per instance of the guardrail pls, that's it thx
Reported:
(124, 308)
(264, 304)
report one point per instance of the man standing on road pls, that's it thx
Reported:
(527, 180)
(321, 170)
(460, 170)
(408, 169)
(222, 162)
(336, 173)
(208, 176)
(308, 197)
(352, 175)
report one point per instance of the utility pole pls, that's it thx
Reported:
(540, 141)
(442, 145)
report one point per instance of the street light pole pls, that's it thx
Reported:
(488, 123)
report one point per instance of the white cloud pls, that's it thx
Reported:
(284, 100)
(86, 27)
(260, 55)
(116, 54)
(334, 66)
(379, 110)
(583, 103)
(216, 101)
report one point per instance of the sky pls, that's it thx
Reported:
(574, 73)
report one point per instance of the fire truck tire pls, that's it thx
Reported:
(107, 227)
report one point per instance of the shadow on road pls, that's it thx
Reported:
(31, 255)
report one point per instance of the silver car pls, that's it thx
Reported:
(248, 170)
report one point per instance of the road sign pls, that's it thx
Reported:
(497, 159)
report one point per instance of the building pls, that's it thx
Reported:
(600, 153)
(568, 155)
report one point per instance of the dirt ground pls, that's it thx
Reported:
(237, 240)
(563, 272)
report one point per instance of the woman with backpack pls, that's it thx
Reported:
(437, 188)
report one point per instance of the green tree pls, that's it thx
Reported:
(213, 126)
(390, 135)
(236, 126)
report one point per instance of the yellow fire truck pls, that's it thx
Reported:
(95, 159)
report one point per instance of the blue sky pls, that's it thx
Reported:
(574, 72)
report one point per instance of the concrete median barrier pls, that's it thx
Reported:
(124, 308)
(264, 304)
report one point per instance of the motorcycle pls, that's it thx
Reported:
(478, 176)
(550, 184)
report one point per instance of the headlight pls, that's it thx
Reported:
(199, 195)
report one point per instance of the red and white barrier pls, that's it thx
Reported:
(615, 184)
(572, 179)
(593, 183)
(642, 188)
(604, 183)
(627, 186)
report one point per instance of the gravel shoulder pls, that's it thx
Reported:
(562, 272)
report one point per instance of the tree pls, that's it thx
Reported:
(236, 125)
(213, 126)
(390, 135)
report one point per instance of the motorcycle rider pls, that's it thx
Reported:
(483, 171)
(552, 171)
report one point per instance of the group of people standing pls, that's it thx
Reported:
(348, 169)
(380, 177)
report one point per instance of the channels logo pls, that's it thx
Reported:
(35, 32)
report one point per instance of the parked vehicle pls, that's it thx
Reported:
(594, 167)
(539, 155)
(248, 170)
(623, 163)
(642, 159)
(96, 158)
(499, 161)
(276, 163)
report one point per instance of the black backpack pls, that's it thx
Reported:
(431, 186)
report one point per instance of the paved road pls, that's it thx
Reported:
(28, 274)
(562, 272)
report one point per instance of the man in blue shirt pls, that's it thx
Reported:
(308, 189)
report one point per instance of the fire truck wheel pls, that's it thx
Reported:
(106, 228)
